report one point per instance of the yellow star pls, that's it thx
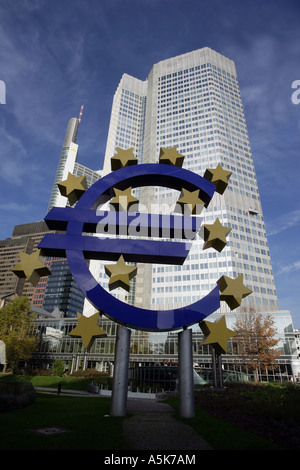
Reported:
(120, 274)
(218, 177)
(87, 329)
(233, 290)
(170, 156)
(31, 267)
(189, 202)
(123, 158)
(123, 200)
(216, 334)
(73, 187)
(215, 235)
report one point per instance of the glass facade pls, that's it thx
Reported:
(155, 349)
(199, 109)
(62, 291)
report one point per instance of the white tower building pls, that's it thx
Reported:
(66, 163)
(193, 101)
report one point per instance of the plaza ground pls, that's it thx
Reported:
(79, 421)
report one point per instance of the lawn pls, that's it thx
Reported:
(221, 434)
(270, 410)
(71, 383)
(84, 419)
(242, 417)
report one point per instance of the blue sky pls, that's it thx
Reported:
(57, 55)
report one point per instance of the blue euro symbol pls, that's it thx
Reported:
(86, 218)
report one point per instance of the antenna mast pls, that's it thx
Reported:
(80, 115)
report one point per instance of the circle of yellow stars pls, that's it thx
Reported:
(232, 291)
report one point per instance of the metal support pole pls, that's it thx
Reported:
(186, 376)
(120, 377)
(214, 368)
(217, 369)
(220, 370)
(84, 367)
(73, 364)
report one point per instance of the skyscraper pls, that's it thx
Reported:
(193, 102)
(60, 289)
(25, 238)
(68, 164)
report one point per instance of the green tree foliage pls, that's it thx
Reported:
(58, 367)
(16, 330)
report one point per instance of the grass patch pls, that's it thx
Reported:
(84, 418)
(266, 400)
(221, 434)
(68, 383)
(239, 416)
(244, 417)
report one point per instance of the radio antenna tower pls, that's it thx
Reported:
(80, 115)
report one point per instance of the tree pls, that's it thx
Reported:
(255, 341)
(58, 367)
(16, 324)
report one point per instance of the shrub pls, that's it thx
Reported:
(15, 395)
(58, 367)
(38, 372)
(89, 373)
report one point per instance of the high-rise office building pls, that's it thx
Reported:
(193, 102)
(9, 257)
(60, 290)
(68, 164)
(25, 238)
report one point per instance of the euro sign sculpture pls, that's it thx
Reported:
(78, 244)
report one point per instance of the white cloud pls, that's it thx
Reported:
(289, 268)
(14, 207)
(284, 222)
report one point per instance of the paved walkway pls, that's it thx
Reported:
(63, 392)
(152, 427)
